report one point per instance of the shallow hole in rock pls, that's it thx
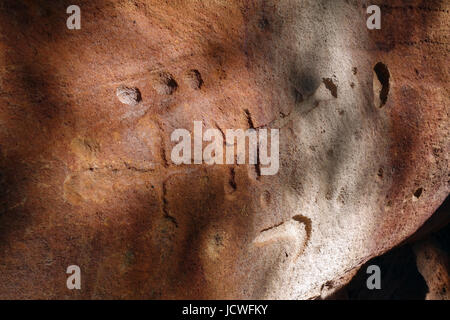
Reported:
(380, 173)
(263, 23)
(194, 79)
(418, 193)
(232, 180)
(164, 83)
(381, 83)
(329, 84)
(128, 95)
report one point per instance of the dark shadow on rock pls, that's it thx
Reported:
(400, 279)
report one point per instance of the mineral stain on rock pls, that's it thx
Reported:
(128, 95)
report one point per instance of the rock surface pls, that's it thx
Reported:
(87, 181)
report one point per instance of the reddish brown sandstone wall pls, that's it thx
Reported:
(88, 180)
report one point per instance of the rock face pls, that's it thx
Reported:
(88, 180)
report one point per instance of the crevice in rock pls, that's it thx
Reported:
(252, 126)
(249, 119)
(133, 168)
(126, 166)
(163, 146)
(258, 166)
(165, 204)
(223, 133)
(272, 227)
(232, 180)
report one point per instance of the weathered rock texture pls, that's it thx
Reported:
(88, 180)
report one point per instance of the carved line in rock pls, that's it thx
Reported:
(298, 227)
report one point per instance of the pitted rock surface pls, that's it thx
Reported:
(88, 181)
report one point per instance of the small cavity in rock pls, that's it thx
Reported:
(381, 83)
(128, 95)
(164, 83)
(194, 79)
(329, 84)
(418, 193)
